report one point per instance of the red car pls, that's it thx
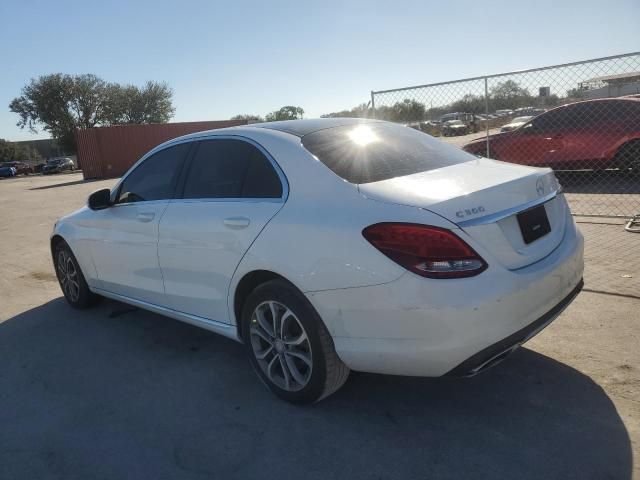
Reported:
(593, 135)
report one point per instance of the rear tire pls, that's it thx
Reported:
(628, 158)
(71, 279)
(288, 345)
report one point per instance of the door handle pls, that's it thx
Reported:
(237, 223)
(145, 216)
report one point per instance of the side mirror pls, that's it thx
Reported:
(100, 199)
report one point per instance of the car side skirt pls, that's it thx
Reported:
(224, 329)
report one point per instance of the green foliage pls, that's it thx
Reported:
(287, 112)
(248, 117)
(128, 104)
(60, 104)
(404, 111)
(469, 104)
(361, 111)
(11, 151)
(509, 95)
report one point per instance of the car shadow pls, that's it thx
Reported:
(116, 392)
(598, 181)
(65, 184)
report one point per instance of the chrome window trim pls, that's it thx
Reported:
(212, 136)
(502, 214)
(227, 200)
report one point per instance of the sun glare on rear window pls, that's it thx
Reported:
(362, 135)
(379, 151)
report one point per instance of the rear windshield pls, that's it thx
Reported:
(373, 152)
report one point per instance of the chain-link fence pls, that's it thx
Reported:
(582, 119)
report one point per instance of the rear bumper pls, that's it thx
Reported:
(497, 352)
(425, 327)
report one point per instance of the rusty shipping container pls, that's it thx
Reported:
(107, 152)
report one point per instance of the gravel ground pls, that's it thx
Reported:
(116, 392)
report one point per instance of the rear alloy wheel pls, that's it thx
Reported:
(288, 345)
(281, 346)
(72, 282)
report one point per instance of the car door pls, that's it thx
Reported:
(575, 137)
(231, 189)
(603, 124)
(535, 141)
(125, 246)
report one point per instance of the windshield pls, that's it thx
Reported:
(451, 123)
(374, 152)
(521, 119)
(55, 161)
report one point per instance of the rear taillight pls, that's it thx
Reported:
(427, 251)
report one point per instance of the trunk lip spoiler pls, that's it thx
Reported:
(497, 216)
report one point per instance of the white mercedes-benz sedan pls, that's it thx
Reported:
(330, 245)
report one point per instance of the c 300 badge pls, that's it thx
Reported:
(469, 211)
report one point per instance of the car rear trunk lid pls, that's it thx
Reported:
(485, 198)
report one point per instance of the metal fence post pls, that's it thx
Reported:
(486, 112)
(373, 105)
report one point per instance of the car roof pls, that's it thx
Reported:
(300, 128)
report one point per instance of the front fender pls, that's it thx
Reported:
(81, 248)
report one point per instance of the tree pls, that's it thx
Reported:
(288, 112)
(248, 117)
(11, 151)
(60, 104)
(361, 111)
(407, 110)
(508, 95)
(469, 104)
(129, 104)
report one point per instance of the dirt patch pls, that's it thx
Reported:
(43, 276)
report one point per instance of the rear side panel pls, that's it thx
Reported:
(315, 241)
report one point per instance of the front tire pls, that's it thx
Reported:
(72, 282)
(289, 347)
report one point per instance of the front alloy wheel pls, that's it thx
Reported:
(72, 282)
(68, 276)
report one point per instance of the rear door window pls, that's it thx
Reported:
(372, 152)
(228, 168)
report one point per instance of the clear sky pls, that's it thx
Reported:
(225, 58)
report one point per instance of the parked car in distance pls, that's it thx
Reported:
(58, 165)
(515, 123)
(504, 113)
(22, 168)
(452, 128)
(7, 171)
(404, 255)
(590, 135)
(531, 111)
